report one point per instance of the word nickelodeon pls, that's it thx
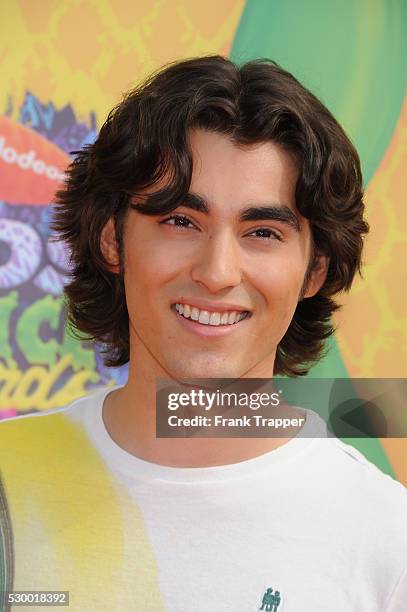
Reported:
(41, 365)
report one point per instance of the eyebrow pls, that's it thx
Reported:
(263, 212)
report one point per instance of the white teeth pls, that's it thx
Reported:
(204, 317)
(209, 318)
(224, 318)
(232, 318)
(215, 319)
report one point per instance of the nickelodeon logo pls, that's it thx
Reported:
(31, 167)
(28, 161)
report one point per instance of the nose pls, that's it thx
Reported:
(217, 265)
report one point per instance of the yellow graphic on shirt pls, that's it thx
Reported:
(74, 528)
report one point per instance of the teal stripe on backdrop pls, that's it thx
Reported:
(353, 56)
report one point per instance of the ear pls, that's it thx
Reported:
(108, 246)
(317, 275)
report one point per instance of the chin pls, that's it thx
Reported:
(200, 368)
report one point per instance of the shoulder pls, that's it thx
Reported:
(340, 466)
(48, 436)
(355, 470)
(356, 466)
(75, 410)
(360, 508)
(354, 482)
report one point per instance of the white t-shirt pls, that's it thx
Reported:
(310, 526)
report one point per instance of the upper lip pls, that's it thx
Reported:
(202, 304)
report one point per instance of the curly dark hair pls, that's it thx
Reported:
(145, 138)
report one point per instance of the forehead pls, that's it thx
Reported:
(229, 175)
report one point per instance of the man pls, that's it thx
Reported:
(211, 225)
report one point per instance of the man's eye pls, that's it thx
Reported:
(266, 233)
(177, 221)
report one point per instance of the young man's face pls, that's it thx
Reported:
(220, 262)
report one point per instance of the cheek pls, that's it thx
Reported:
(148, 268)
(280, 284)
(148, 271)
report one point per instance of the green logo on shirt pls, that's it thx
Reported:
(270, 601)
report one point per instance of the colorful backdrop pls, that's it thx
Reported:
(65, 63)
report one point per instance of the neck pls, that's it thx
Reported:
(130, 418)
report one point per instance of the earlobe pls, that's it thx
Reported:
(108, 246)
(317, 275)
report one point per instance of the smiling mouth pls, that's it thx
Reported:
(208, 318)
